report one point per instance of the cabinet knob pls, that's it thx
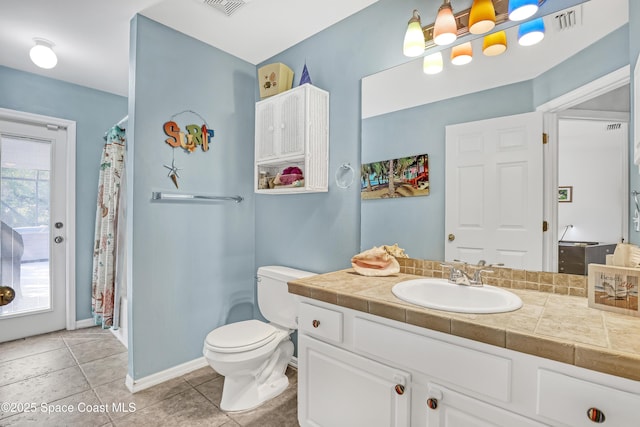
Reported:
(315, 323)
(595, 415)
(399, 389)
(432, 403)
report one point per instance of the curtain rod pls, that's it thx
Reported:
(158, 195)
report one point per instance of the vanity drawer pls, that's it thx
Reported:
(568, 400)
(476, 371)
(320, 322)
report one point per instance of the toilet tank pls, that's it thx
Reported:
(276, 304)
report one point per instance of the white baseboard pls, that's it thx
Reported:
(166, 375)
(121, 335)
(293, 362)
(85, 323)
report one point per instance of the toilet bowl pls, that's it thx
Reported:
(253, 355)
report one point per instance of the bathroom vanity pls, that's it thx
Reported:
(369, 359)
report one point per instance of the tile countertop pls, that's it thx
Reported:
(557, 327)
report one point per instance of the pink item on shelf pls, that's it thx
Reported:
(291, 175)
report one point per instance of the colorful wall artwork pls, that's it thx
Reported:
(402, 177)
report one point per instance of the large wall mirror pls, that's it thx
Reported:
(577, 78)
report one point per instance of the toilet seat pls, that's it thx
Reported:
(240, 336)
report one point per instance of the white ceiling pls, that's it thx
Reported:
(91, 37)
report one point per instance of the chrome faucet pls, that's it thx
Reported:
(459, 276)
(477, 277)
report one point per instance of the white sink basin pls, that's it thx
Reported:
(440, 294)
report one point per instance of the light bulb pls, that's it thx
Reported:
(43, 55)
(433, 64)
(520, 10)
(494, 44)
(462, 54)
(531, 32)
(414, 37)
(482, 17)
(445, 29)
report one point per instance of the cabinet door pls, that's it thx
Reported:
(448, 408)
(337, 388)
(265, 130)
(292, 123)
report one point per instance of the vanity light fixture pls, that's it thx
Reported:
(520, 10)
(445, 29)
(42, 54)
(433, 64)
(494, 44)
(531, 32)
(462, 54)
(414, 42)
(482, 17)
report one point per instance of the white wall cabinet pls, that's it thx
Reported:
(350, 364)
(292, 130)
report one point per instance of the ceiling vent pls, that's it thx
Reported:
(568, 19)
(614, 126)
(228, 7)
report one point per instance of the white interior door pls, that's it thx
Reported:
(33, 211)
(494, 183)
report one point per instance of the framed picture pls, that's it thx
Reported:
(565, 194)
(402, 177)
(612, 288)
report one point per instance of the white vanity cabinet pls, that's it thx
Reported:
(341, 388)
(357, 369)
(292, 130)
(447, 408)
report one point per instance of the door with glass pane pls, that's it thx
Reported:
(32, 236)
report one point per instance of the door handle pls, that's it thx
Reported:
(451, 237)
(58, 239)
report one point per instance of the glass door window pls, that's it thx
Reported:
(25, 194)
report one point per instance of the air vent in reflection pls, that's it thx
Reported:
(614, 126)
(568, 19)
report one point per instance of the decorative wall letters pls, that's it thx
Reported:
(194, 137)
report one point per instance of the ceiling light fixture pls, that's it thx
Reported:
(42, 54)
(531, 32)
(482, 17)
(433, 64)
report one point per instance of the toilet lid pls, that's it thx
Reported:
(241, 336)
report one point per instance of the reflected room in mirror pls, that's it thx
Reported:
(577, 83)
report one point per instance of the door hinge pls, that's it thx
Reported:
(545, 226)
(545, 138)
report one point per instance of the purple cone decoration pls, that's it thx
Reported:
(305, 76)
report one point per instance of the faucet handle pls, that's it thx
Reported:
(477, 276)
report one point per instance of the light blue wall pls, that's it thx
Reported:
(321, 232)
(602, 57)
(191, 265)
(94, 112)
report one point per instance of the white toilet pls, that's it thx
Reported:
(253, 355)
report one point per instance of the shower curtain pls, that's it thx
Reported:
(104, 250)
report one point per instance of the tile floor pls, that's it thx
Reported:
(85, 370)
